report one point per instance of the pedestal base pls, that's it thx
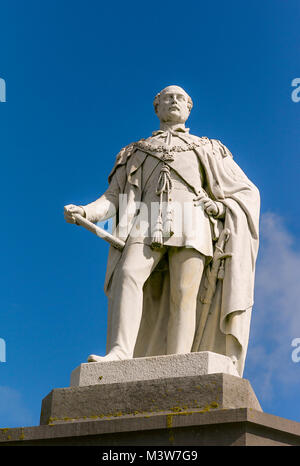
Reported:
(180, 403)
(232, 427)
(148, 397)
(154, 367)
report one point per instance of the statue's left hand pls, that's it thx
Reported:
(209, 205)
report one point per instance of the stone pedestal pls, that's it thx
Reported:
(185, 400)
(148, 386)
(148, 397)
(151, 368)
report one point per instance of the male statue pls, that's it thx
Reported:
(156, 286)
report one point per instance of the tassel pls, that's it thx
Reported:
(157, 239)
(168, 231)
(164, 186)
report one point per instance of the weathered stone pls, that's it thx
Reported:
(234, 427)
(168, 395)
(155, 367)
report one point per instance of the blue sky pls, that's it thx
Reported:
(81, 78)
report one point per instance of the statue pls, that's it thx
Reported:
(188, 217)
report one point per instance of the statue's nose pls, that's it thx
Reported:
(174, 101)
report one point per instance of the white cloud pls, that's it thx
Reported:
(276, 312)
(13, 412)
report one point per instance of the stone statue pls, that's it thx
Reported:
(184, 280)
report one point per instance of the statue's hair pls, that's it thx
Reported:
(157, 97)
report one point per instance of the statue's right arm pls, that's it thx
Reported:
(102, 209)
(106, 206)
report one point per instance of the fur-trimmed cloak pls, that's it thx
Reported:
(231, 308)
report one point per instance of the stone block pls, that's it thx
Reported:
(218, 427)
(149, 368)
(196, 393)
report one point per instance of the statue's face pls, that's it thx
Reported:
(173, 105)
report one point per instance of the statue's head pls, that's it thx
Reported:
(173, 104)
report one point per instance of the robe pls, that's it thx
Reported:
(230, 311)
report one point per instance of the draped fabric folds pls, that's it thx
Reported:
(230, 312)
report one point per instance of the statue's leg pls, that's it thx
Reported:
(186, 268)
(126, 302)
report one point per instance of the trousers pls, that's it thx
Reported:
(186, 267)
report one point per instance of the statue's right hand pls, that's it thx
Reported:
(70, 210)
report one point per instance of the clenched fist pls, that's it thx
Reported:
(70, 210)
(210, 207)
